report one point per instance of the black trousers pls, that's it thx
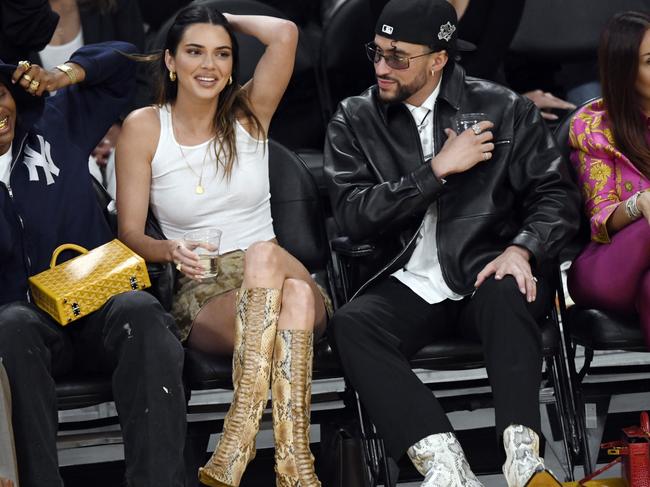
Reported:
(377, 333)
(133, 338)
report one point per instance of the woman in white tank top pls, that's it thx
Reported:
(200, 159)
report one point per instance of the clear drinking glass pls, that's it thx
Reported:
(205, 243)
(464, 121)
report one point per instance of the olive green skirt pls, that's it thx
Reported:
(192, 295)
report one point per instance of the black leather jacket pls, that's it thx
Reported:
(380, 185)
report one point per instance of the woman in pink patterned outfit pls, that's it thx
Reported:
(610, 139)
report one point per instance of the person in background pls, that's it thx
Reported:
(610, 141)
(47, 199)
(491, 26)
(199, 159)
(156, 12)
(466, 222)
(25, 25)
(84, 22)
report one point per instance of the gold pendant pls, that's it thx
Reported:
(198, 189)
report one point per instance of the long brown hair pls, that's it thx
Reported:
(618, 58)
(232, 100)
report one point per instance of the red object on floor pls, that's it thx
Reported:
(637, 463)
(634, 452)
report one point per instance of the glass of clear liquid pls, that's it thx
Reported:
(205, 243)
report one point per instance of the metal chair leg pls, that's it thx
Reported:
(563, 415)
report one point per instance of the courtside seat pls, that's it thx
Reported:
(602, 330)
(455, 353)
(458, 353)
(82, 390)
(205, 371)
(593, 329)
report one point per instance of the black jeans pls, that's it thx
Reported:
(376, 334)
(133, 338)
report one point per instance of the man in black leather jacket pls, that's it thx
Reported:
(466, 225)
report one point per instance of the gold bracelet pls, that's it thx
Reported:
(69, 72)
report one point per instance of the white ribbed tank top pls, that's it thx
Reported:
(239, 206)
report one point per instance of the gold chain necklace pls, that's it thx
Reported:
(199, 189)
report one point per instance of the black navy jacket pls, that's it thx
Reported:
(380, 185)
(50, 200)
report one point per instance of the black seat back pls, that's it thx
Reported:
(296, 208)
(561, 134)
(347, 26)
(578, 23)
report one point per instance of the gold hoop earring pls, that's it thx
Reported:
(172, 76)
(230, 80)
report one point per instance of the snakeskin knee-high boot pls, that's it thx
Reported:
(523, 466)
(441, 460)
(291, 389)
(256, 320)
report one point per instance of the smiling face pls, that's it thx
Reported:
(203, 61)
(7, 118)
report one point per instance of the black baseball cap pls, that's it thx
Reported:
(28, 107)
(429, 22)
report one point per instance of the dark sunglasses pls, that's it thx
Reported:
(392, 60)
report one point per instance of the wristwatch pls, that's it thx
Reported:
(69, 72)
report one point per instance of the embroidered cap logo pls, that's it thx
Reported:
(446, 31)
(386, 29)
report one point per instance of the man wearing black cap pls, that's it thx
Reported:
(460, 187)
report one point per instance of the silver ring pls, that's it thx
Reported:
(179, 267)
(476, 128)
(533, 278)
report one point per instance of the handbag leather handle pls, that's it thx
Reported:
(61, 248)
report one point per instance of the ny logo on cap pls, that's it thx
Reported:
(386, 29)
(446, 31)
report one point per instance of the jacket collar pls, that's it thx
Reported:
(451, 91)
(20, 135)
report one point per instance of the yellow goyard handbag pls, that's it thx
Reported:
(82, 285)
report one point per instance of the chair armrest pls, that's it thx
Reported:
(163, 275)
(345, 246)
(347, 259)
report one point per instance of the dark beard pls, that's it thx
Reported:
(404, 92)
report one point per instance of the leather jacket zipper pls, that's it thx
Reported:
(388, 266)
(417, 232)
(28, 260)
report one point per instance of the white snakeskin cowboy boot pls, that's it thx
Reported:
(441, 460)
(524, 467)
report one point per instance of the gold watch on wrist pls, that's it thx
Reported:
(69, 72)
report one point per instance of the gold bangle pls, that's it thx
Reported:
(69, 72)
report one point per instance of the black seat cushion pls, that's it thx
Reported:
(205, 371)
(82, 391)
(601, 330)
